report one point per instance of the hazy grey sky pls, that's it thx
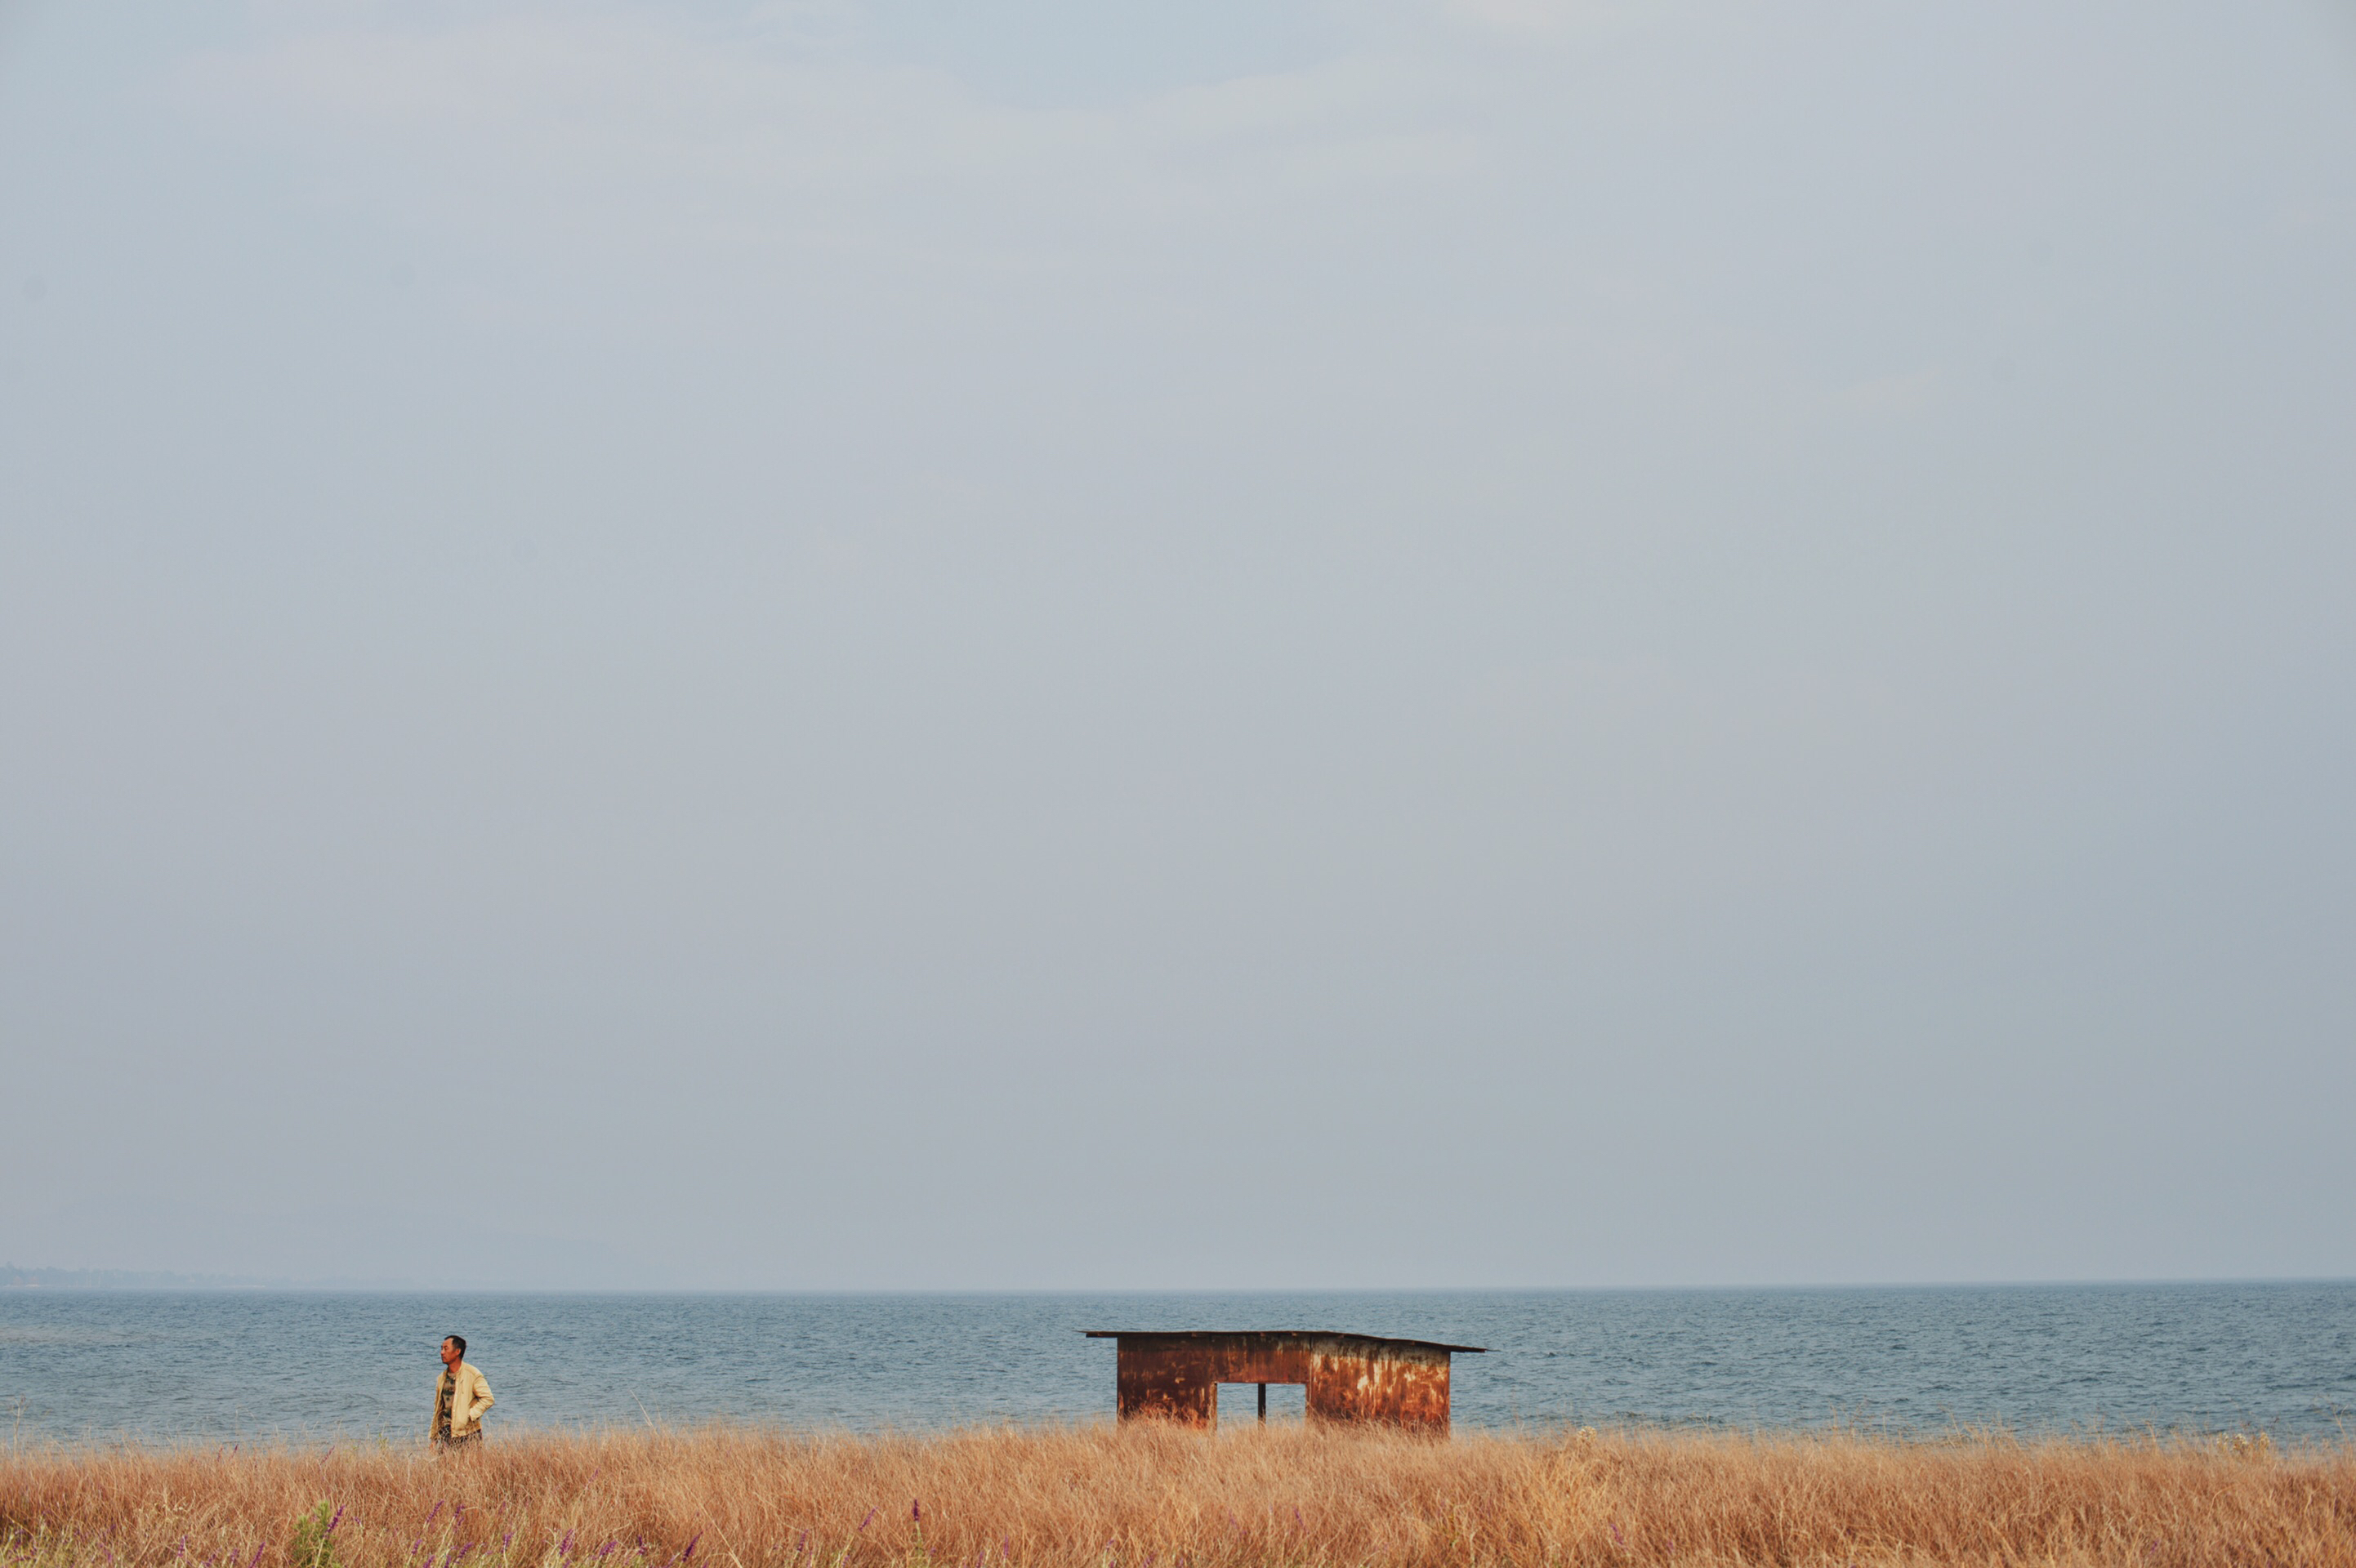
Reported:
(1087, 645)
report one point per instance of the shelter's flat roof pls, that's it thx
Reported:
(1274, 1334)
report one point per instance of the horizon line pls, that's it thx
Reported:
(159, 1282)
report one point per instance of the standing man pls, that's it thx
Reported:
(459, 1398)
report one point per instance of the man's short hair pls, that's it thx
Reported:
(457, 1339)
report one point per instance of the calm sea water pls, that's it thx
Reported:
(2274, 1357)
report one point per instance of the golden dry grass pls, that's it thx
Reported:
(1138, 1498)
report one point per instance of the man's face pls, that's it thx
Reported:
(450, 1353)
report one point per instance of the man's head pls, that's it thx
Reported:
(453, 1350)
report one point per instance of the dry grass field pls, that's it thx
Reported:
(1111, 1497)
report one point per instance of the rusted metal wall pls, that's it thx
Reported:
(1349, 1377)
(1405, 1389)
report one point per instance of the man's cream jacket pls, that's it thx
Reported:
(468, 1400)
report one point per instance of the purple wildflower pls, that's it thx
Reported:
(334, 1522)
(916, 1510)
(868, 1520)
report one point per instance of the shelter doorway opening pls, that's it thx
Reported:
(1253, 1404)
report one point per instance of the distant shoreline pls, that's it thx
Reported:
(15, 1278)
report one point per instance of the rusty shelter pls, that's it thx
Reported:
(1349, 1377)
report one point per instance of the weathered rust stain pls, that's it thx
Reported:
(1348, 1377)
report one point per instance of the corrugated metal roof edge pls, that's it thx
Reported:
(1248, 1333)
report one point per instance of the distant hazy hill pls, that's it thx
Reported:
(15, 1278)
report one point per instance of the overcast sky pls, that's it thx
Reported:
(1254, 643)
